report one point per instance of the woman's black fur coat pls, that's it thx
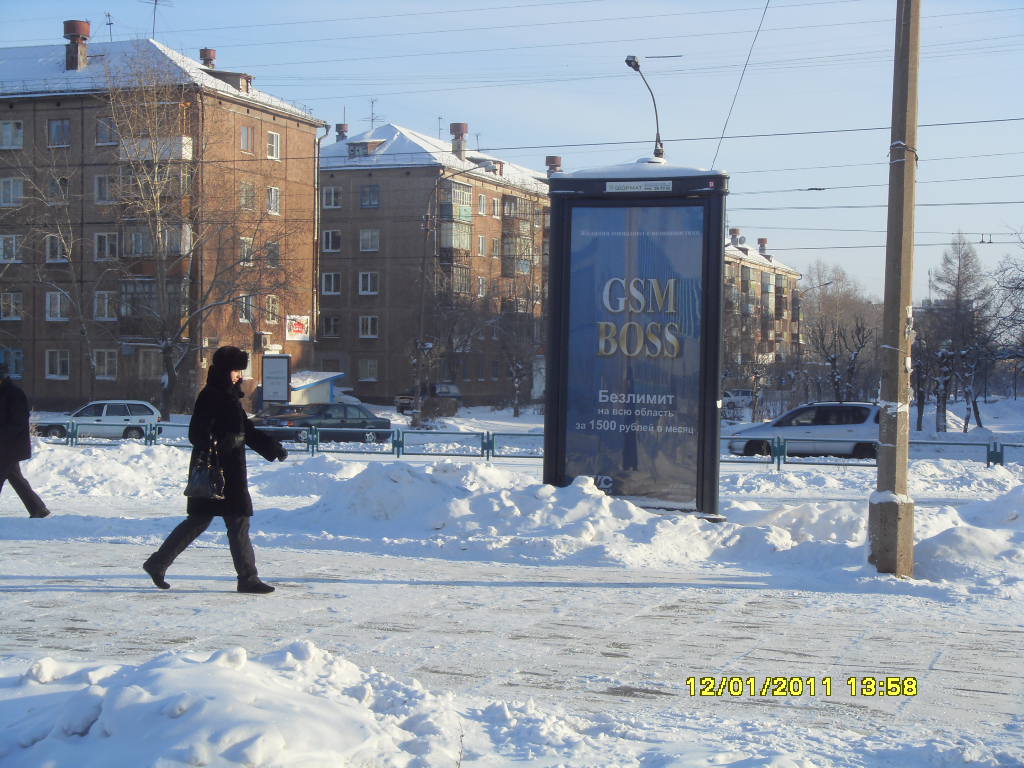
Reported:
(218, 413)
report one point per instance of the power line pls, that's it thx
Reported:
(866, 186)
(876, 205)
(877, 162)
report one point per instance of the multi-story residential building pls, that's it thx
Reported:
(433, 265)
(761, 310)
(152, 207)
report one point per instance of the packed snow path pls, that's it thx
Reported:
(586, 640)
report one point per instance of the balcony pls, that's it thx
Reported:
(156, 150)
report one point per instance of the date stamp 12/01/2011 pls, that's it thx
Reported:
(735, 685)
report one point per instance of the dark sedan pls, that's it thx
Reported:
(338, 422)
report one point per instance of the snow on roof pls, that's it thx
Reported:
(403, 147)
(754, 256)
(39, 70)
(303, 379)
(642, 168)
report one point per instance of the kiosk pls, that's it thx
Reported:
(635, 332)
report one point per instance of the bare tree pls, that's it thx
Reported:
(200, 242)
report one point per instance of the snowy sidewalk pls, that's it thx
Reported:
(589, 641)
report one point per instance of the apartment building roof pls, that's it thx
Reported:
(40, 70)
(756, 258)
(395, 146)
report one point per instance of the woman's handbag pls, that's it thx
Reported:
(206, 480)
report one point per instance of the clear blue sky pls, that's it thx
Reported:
(534, 77)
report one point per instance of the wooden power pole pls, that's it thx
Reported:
(891, 510)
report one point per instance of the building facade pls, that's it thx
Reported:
(760, 312)
(433, 265)
(152, 207)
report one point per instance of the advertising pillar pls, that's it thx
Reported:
(635, 306)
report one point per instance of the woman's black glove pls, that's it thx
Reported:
(282, 452)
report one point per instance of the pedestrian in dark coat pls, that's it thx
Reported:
(219, 423)
(16, 443)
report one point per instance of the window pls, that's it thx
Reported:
(495, 247)
(58, 305)
(15, 360)
(12, 134)
(273, 309)
(139, 243)
(456, 234)
(369, 240)
(460, 278)
(248, 138)
(481, 205)
(138, 297)
(103, 188)
(273, 145)
(367, 370)
(245, 308)
(58, 133)
(106, 130)
(247, 196)
(11, 192)
(245, 252)
(331, 197)
(58, 364)
(369, 326)
(105, 364)
(330, 240)
(481, 287)
(150, 364)
(481, 245)
(56, 249)
(104, 305)
(369, 196)
(57, 190)
(495, 208)
(330, 283)
(274, 200)
(369, 283)
(330, 325)
(9, 245)
(273, 254)
(11, 305)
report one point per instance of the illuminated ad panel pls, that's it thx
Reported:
(633, 355)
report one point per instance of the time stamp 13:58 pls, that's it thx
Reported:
(735, 685)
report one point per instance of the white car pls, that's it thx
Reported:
(815, 429)
(107, 418)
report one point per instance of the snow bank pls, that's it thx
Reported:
(303, 706)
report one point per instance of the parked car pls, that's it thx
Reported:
(106, 418)
(808, 430)
(737, 398)
(440, 399)
(343, 422)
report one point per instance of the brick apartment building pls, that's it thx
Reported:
(760, 312)
(433, 265)
(152, 207)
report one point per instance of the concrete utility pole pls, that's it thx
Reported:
(891, 510)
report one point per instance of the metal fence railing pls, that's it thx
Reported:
(528, 445)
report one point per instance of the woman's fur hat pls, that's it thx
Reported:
(231, 359)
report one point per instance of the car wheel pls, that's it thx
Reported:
(55, 432)
(757, 448)
(134, 433)
(865, 451)
(302, 435)
(369, 437)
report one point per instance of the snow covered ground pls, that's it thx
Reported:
(456, 612)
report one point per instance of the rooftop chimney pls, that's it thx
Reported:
(342, 130)
(734, 235)
(208, 57)
(762, 245)
(459, 131)
(554, 164)
(76, 54)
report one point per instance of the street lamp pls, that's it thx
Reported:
(430, 218)
(659, 149)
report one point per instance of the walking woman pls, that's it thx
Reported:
(219, 423)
